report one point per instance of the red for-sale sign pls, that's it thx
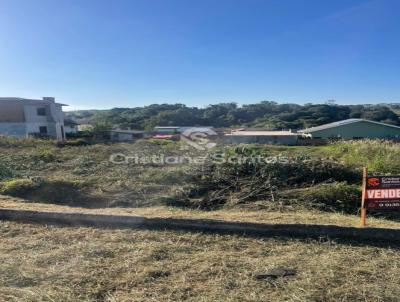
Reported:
(382, 192)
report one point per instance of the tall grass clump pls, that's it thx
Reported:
(14, 142)
(5, 172)
(17, 187)
(379, 155)
(336, 196)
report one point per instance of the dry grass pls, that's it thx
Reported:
(83, 264)
(39, 263)
(287, 215)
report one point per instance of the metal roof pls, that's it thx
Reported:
(180, 127)
(262, 133)
(167, 127)
(127, 131)
(342, 123)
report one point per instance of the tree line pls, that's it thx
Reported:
(266, 114)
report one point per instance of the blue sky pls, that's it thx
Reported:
(103, 54)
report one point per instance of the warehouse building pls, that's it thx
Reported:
(353, 129)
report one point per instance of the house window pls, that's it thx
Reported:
(41, 111)
(43, 130)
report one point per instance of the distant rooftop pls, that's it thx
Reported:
(262, 133)
(178, 127)
(127, 131)
(167, 127)
(342, 123)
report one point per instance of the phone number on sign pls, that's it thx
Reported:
(389, 205)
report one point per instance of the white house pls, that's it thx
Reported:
(21, 117)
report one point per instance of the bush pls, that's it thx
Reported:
(5, 172)
(73, 143)
(17, 187)
(45, 155)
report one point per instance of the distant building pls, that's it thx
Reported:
(180, 129)
(118, 135)
(85, 127)
(70, 126)
(21, 117)
(167, 129)
(174, 137)
(353, 129)
(262, 137)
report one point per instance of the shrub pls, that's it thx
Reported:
(45, 155)
(5, 172)
(18, 187)
(73, 143)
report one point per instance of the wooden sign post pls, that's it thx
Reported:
(379, 193)
(364, 192)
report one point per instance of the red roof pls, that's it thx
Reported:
(163, 136)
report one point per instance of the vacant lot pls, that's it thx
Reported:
(44, 263)
(326, 177)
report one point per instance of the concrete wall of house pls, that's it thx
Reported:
(261, 139)
(31, 115)
(58, 117)
(11, 112)
(34, 127)
(358, 130)
(13, 129)
(35, 121)
(53, 120)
